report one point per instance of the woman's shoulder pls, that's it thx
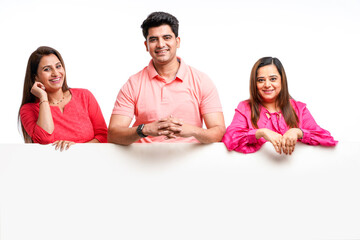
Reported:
(29, 106)
(80, 91)
(244, 106)
(297, 104)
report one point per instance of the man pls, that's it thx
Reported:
(169, 98)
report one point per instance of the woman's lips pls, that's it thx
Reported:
(268, 91)
(55, 80)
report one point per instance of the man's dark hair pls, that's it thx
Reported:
(157, 19)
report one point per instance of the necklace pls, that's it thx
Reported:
(59, 101)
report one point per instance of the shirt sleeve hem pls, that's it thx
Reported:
(306, 136)
(41, 136)
(211, 110)
(124, 113)
(101, 139)
(251, 136)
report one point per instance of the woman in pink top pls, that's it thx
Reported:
(272, 115)
(51, 112)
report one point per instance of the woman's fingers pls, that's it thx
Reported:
(62, 144)
(293, 143)
(38, 90)
(56, 144)
(69, 144)
(277, 146)
(274, 138)
(283, 145)
(40, 85)
(291, 137)
(288, 145)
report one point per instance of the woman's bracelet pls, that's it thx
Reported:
(43, 101)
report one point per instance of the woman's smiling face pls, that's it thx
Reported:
(268, 83)
(50, 73)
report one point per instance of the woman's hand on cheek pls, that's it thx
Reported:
(38, 90)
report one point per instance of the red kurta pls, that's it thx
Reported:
(80, 122)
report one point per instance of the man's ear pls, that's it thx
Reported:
(178, 42)
(145, 43)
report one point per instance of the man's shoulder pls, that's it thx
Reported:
(194, 70)
(196, 74)
(140, 74)
(136, 79)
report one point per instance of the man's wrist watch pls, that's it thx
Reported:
(139, 131)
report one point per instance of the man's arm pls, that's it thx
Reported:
(120, 133)
(215, 128)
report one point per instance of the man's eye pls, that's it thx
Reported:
(152, 40)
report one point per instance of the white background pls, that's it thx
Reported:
(102, 45)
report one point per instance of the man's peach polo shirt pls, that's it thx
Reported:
(147, 96)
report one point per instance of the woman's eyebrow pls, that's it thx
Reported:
(50, 65)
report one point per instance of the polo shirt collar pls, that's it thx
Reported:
(153, 74)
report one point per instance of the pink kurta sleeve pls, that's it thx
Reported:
(29, 115)
(313, 133)
(240, 135)
(97, 119)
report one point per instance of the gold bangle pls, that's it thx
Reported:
(43, 101)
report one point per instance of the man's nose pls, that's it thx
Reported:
(161, 43)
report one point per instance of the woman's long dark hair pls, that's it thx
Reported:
(283, 99)
(31, 72)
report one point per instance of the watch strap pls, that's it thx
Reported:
(139, 130)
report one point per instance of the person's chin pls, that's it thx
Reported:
(161, 60)
(268, 99)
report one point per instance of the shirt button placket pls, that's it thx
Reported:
(163, 94)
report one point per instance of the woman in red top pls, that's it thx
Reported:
(51, 112)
